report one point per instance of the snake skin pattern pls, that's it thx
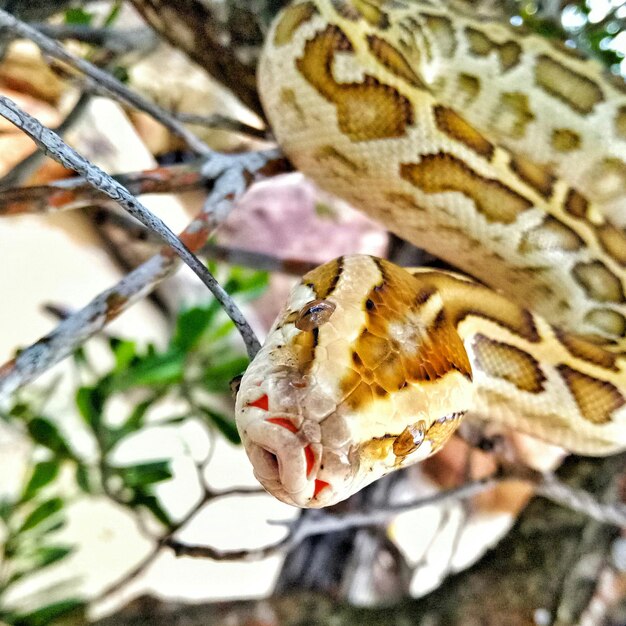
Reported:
(493, 149)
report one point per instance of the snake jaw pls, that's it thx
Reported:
(280, 423)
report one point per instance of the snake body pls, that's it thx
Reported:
(493, 149)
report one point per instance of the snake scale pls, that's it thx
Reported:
(490, 147)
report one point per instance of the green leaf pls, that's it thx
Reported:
(154, 370)
(224, 424)
(113, 14)
(40, 514)
(245, 282)
(150, 502)
(82, 478)
(48, 555)
(219, 332)
(45, 433)
(90, 402)
(124, 351)
(144, 473)
(217, 377)
(78, 16)
(190, 326)
(6, 509)
(45, 616)
(19, 409)
(43, 474)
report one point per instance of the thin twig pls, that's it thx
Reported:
(101, 81)
(118, 41)
(256, 260)
(73, 193)
(162, 541)
(222, 122)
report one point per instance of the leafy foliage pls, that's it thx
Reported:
(192, 370)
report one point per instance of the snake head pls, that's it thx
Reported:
(359, 375)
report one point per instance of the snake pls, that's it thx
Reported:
(497, 150)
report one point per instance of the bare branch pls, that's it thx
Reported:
(118, 41)
(222, 122)
(256, 260)
(102, 82)
(163, 540)
(74, 193)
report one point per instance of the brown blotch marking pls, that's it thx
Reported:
(115, 305)
(550, 235)
(501, 360)
(291, 19)
(599, 282)
(329, 153)
(613, 241)
(456, 127)
(583, 349)
(576, 90)
(576, 204)
(509, 52)
(479, 43)
(620, 122)
(288, 98)
(513, 114)
(382, 364)
(607, 321)
(565, 140)
(365, 111)
(470, 298)
(443, 32)
(404, 200)
(469, 85)
(538, 177)
(510, 55)
(437, 173)
(393, 60)
(365, 9)
(597, 400)
(441, 430)
(324, 279)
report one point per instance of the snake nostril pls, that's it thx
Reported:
(265, 461)
(271, 460)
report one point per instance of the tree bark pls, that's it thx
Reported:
(224, 38)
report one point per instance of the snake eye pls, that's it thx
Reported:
(314, 314)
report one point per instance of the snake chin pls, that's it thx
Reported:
(281, 416)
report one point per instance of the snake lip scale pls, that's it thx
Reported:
(488, 148)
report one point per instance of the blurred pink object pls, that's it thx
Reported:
(289, 217)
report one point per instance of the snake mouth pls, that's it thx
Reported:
(286, 465)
